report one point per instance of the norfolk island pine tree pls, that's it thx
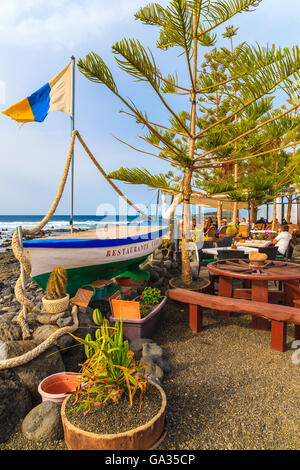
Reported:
(191, 26)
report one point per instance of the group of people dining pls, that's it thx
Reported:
(281, 240)
(209, 223)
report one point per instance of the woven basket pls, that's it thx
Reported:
(57, 305)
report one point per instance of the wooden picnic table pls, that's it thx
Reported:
(257, 280)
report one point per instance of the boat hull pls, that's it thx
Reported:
(87, 260)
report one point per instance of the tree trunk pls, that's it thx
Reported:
(252, 213)
(289, 210)
(219, 213)
(185, 260)
(274, 212)
(186, 274)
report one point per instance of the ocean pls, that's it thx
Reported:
(58, 222)
(8, 223)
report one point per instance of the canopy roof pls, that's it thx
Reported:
(198, 198)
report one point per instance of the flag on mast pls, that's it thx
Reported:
(56, 95)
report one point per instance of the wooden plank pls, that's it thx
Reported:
(274, 295)
(259, 293)
(225, 290)
(82, 297)
(297, 327)
(291, 292)
(278, 335)
(195, 318)
(247, 307)
(101, 283)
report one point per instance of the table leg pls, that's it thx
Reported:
(291, 292)
(278, 335)
(259, 293)
(225, 290)
(195, 318)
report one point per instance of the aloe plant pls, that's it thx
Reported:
(110, 368)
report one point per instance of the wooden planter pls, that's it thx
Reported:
(145, 437)
(204, 288)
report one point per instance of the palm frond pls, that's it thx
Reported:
(142, 176)
(137, 62)
(95, 70)
(152, 14)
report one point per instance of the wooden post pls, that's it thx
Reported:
(296, 303)
(72, 129)
(278, 335)
(225, 290)
(291, 292)
(259, 293)
(20, 233)
(195, 318)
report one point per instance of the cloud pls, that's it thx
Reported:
(61, 23)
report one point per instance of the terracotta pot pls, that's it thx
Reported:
(123, 281)
(144, 437)
(57, 387)
(57, 305)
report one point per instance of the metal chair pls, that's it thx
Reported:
(230, 254)
(204, 258)
(271, 251)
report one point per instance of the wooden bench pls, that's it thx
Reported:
(279, 315)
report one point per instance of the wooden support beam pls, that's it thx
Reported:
(274, 295)
(195, 318)
(278, 335)
(225, 290)
(259, 293)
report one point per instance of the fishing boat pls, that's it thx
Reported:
(90, 255)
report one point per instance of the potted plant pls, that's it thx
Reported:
(141, 315)
(56, 299)
(116, 407)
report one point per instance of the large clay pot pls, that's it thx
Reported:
(144, 437)
(123, 281)
(57, 387)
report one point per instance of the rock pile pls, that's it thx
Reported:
(19, 397)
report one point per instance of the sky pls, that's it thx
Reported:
(37, 39)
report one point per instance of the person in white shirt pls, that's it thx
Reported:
(283, 239)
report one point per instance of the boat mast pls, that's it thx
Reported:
(72, 129)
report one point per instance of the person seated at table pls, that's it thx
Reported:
(223, 224)
(284, 222)
(207, 224)
(277, 225)
(283, 239)
(262, 223)
(243, 221)
(231, 230)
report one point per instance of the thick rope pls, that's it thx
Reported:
(20, 256)
(103, 173)
(35, 352)
(26, 264)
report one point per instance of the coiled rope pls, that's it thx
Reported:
(28, 305)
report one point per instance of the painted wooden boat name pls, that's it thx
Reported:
(130, 249)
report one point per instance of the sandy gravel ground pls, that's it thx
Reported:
(226, 390)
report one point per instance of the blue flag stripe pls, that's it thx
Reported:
(40, 102)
